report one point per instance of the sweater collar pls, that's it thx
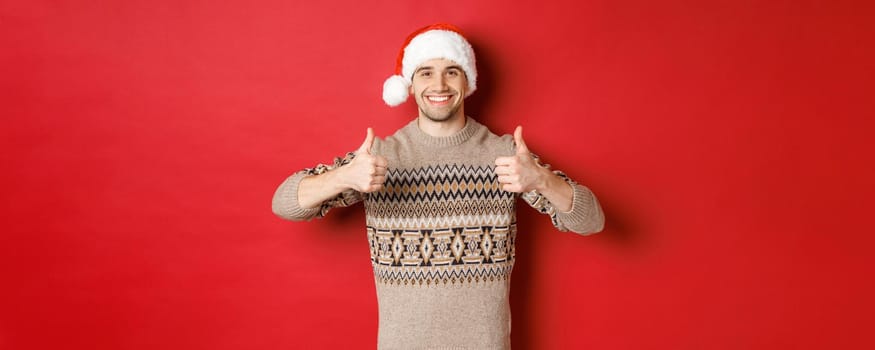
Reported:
(419, 136)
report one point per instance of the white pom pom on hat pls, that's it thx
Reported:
(395, 90)
(439, 40)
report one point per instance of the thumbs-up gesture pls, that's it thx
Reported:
(519, 173)
(366, 172)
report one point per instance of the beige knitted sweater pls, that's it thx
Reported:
(441, 235)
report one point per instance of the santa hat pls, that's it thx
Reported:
(435, 41)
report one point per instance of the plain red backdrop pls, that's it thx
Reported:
(142, 141)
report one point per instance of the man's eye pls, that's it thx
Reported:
(425, 74)
(453, 73)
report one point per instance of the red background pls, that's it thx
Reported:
(727, 140)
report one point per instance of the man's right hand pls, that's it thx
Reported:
(366, 172)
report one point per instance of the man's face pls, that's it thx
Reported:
(439, 86)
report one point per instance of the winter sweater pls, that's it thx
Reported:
(441, 233)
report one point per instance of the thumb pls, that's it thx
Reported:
(369, 141)
(521, 147)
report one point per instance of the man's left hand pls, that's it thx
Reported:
(520, 172)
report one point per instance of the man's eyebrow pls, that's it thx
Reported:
(456, 67)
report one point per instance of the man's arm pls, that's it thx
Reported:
(365, 173)
(520, 173)
(571, 205)
(301, 195)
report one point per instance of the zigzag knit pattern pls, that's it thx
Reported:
(451, 182)
(441, 224)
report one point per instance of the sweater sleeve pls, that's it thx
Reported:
(585, 217)
(285, 199)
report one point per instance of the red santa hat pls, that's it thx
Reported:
(439, 40)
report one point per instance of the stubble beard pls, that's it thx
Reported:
(438, 116)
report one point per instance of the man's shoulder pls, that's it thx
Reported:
(489, 139)
(391, 143)
(399, 136)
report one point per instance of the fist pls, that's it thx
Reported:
(520, 172)
(366, 172)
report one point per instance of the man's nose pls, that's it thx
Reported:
(441, 81)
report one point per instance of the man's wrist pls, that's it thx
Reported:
(337, 179)
(545, 178)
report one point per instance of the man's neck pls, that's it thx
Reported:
(442, 128)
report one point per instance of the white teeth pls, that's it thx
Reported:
(438, 98)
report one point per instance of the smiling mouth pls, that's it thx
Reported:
(438, 99)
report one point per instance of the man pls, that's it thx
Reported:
(440, 201)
